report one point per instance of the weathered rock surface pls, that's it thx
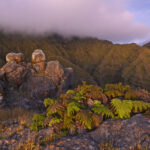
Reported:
(123, 134)
(38, 88)
(38, 56)
(54, 71)
(33, 81)
(39, 67)
(15, 73)
(18, 57)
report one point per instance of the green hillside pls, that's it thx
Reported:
(93, 60)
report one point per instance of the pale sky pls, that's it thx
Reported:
(115, 20)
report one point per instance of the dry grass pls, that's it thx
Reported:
(19, 115)
(107, 146)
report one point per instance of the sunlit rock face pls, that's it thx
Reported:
(38, 56)
(15, 73)
(18, 57)
(35, 81)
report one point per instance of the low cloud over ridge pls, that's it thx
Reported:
(105, 19)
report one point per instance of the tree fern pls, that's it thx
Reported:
(99, 108)
(73, 107)
(122, 108)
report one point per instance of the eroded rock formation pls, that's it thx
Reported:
(32, 82)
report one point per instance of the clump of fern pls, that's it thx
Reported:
(85, 107)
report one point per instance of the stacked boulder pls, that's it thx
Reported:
(36, 80)
(15, 70)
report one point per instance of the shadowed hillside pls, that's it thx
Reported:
(96, 61)
(147, 45)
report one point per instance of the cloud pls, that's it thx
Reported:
(105, 19)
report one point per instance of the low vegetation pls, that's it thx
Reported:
(85, 107)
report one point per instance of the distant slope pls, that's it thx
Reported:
(147, 45)
(96, 61)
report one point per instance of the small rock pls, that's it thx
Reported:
(38, 56)
(18, 57)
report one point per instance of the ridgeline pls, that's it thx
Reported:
(95, 61)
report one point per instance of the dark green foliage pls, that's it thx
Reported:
(86, 106)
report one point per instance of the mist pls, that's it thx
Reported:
(104, 19)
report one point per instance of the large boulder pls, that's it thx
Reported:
(38, 88)
(18, 57)
(15, 73)
(66, 81)
(38, 56)
(124, 134)
(54, 71)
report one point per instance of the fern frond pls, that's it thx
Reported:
(99, 108)
(72, 107)
(55, 108)
(96, 120)
(79, 96)
(49, 102)
(54, 120)
(122, 108)
(70, 92)
(84, 117)
(140, 106)
(38, 121)
(68, 121)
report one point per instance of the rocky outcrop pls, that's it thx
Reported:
(15, 73)
(54, 71)
(124, 134)
(112, 134)
(38, 88)
(34, 81)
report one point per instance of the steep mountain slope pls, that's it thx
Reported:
(147, 45)
(96, 61)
